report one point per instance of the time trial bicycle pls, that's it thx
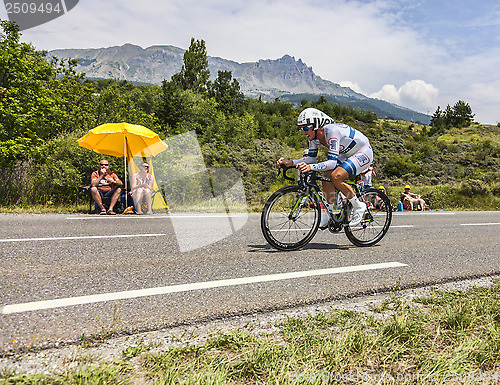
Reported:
(291, 216)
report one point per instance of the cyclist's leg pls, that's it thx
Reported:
(328, 188)
(329, 191)
(352, 166)
(339, 175)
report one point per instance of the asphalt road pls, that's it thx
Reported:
(62, 275)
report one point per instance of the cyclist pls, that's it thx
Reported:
(349, 154)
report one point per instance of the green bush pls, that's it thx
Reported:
(397, 166)
(473, 188)
(495, 189)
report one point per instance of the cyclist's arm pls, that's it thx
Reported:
(311, 156)
(331, 162)
(305, 159)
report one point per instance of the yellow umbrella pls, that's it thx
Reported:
(120, 139)
(123, 139)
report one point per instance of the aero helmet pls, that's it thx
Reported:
(315, 117)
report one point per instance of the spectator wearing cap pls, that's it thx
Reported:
(414, 200)
(378, 200)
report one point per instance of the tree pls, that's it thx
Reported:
(227, 93)
(194, 74)
(41, 99)
(172, 107)
(459, 116)
(24, 77)
(448, 116)
(193, 77)
(462, 114)
(438, 118)
(438, 122)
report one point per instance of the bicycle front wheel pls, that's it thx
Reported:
(376, 220)
(290, 218)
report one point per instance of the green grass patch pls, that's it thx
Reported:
(102, 375)
(473, 134)
(441, 337)
(470, 195)
(77, 208)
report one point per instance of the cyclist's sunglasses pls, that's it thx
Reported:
(306, 128)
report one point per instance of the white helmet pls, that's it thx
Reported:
(315, 117)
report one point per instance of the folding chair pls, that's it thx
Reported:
(93, 208)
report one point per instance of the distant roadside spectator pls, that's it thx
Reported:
(367, 177)
(378, 200)
(142, 189)
(105, 183)
(414, 201)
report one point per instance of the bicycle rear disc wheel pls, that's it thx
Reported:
(290, 218)
(376, 220)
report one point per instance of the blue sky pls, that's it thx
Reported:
(416, 53)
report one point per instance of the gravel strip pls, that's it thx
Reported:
(72, 357)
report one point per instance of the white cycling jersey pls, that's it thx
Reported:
(347, 148)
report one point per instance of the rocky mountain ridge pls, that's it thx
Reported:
(284, 77)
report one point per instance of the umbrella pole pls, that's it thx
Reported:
(125, 168)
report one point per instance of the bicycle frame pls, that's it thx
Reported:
(308, 182)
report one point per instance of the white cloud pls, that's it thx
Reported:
(415, 94)
(388, 93)
(353, 86)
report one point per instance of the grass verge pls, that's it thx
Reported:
(77, 208)
(442, 337)
(467, 196)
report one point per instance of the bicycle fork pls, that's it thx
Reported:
(297, 207)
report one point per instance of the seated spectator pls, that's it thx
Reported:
(105, 183)
(378, 200)
(142, 189)
(413, 200)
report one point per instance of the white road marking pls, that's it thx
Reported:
(161, 216)
(422, 213)
(379, 227)
(80, 237)
(114, 217)
(371, 227)
(63, 302)
(480, 224)
(289, 230)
